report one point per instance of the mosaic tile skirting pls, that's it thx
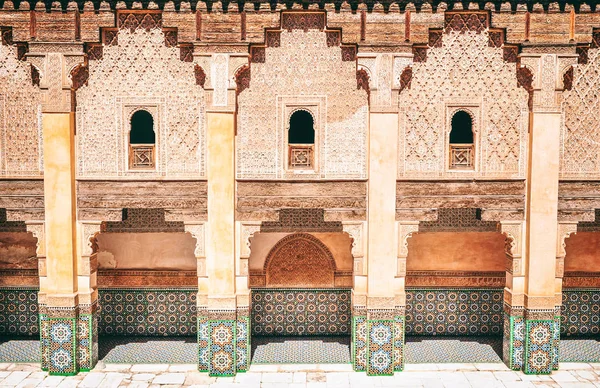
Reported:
(19, 311)
(147, 312)
(580, 312)
(449, 311)
(301, 312)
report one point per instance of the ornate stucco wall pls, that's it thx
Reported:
(303, 70)
(20, 114)
(140, 72)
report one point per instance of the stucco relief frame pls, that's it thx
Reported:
(473, 109)
(154, 106)
(3, 168)
(317, 107)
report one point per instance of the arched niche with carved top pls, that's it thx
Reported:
(300, 260)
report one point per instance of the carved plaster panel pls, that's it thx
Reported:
(580, 138)
(198, 232)
(141, 73)
(20, 121)
(356, 232)
(248, 230)
(89, 231)
(463, 68)
(405, 231)
(565, 230)
(38, 231)
(302, 67)
(513, 231)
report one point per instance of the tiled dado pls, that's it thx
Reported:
(539, 345)
(580, 312)
(301, 311)
(147, 312)
(378, 345)
(513, 342)
(449, 311)
(19, 311)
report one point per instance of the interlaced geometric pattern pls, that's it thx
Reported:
(301, 156)
(303, 67)
(580, 140)
(461, 156)
(142, 156)
(463, 71)
(20, 117)
(140, 72)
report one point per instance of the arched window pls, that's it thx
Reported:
(142, 128)
(462, 148)
(462, 128)
(142, 140)
(302, 129)
(301, 140)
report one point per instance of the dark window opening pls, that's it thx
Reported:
(142, 128)
(462, 128)
(302, 129)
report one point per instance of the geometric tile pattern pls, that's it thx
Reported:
(242, 343)
(19, 311)
(448, 311)
(398, 343)
(62, 346)
(19, 349)
(460, 349)
(45, 341)
(513, 342)
(555, 342)
(151, 312)
(538, 346)
(145, 350)
(359, 343)
(380, 349)
(580, 350)
(580, 312)
(222, 348)
(203, 344)
(301, 312)
(87, 341)
(301, 350)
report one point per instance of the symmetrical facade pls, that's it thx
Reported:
(370, 170)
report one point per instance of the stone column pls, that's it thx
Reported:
(60, 302)
(381, 245)
(514, 295)
(220, 244)
(62, 328)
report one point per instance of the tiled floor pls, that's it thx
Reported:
(426, 349)
(301, 350)
(302, 376)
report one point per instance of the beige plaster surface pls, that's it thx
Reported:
(151, 251)
(381, 213)
(339, 244)
(451, 251)
(59, 203)
(541, 209)
(18, 250)
(220, 237)
(583, 252)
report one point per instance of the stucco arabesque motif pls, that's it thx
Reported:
(463, 68)
(513, 246)
(137, 74)
(20, 122)
(303, 67)
(198, 232)
(580, 137)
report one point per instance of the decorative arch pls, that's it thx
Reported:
(300, 260)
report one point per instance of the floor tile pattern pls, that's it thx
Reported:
(151, 312)
(19, 311)
(301, 350)
(580, 312)
(580, 350)
(421, 349)
(450, 311)
(301, 312)
(148, 350)
(19, 349)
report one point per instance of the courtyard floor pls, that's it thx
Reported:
(301, 376)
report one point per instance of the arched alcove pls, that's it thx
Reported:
(300, 260)
(302, 128)
(462, 128)
(142, 128)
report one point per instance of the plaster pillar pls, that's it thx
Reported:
(541, 331)
(228, 331)
(382, 251)
(59, 301)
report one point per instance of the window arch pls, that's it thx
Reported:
(142, 140)
(142, 128)
(302, 128)
(301, 140)
(462, 128)
(462, 147)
